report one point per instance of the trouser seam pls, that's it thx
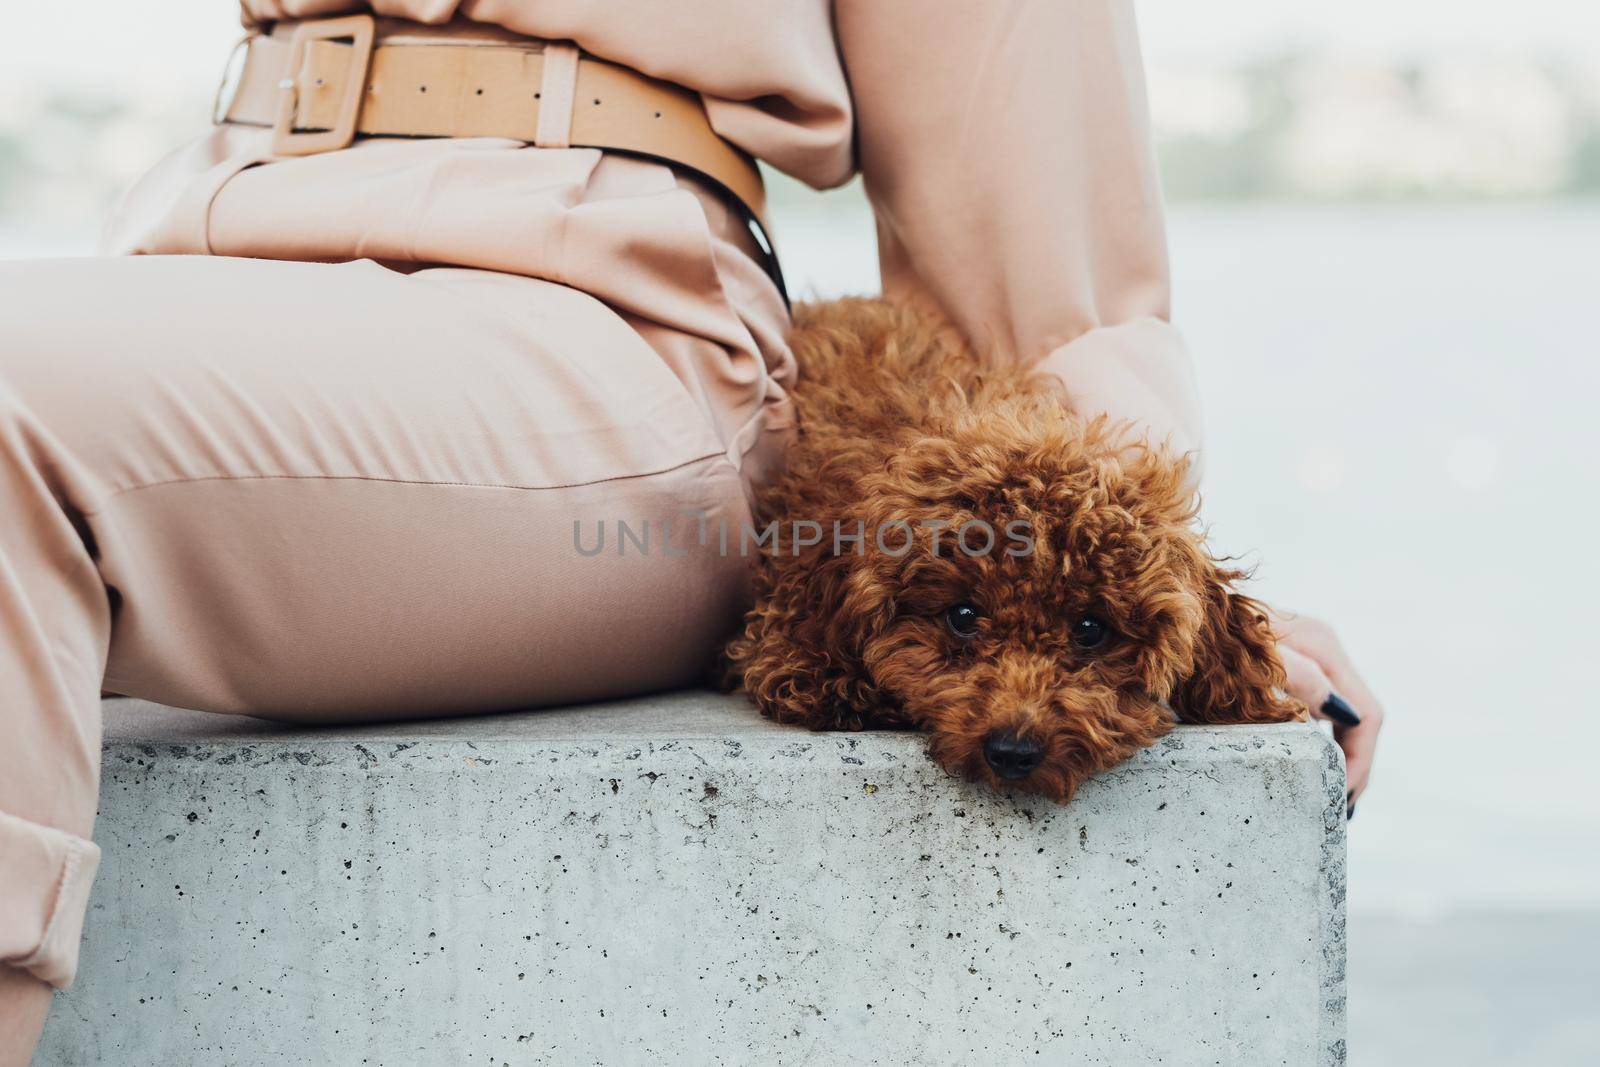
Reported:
(401, 481)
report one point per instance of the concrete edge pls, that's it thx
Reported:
(1334, 1014)
(361, 745)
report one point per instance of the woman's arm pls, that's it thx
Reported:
(1007, 154)
(1006, 150)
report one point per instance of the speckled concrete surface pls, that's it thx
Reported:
(674, 880)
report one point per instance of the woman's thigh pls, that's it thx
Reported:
(337, 491)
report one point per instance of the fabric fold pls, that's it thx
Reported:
(1139, 371)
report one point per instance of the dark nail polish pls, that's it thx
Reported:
(1339, 710)
(1349, 813)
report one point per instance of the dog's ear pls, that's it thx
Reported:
(799, 653)
(1237, 675)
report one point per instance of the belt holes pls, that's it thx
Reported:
(422, 88)
(597, 101)
(658, 114)
(480, 92)
(536, 96)
(319, 81)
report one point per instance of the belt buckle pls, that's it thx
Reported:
(287, 140)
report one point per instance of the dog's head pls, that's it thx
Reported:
(1030, 590)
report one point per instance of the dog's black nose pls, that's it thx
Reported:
(1012, 756)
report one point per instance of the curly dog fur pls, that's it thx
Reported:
(903, 430)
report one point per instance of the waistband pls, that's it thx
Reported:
(320, 84)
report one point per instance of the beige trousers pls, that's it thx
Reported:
(318, 491)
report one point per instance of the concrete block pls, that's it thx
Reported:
(674, 880)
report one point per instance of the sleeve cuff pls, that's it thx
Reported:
(45, 875)
(1138, 371)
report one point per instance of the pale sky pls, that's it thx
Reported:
(178, 43)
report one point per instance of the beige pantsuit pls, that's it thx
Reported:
(318, 449)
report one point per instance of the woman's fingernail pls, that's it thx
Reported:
(1349, 813)
(1339, 710)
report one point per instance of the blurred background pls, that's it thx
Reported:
(1385, 220)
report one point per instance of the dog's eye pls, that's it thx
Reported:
(1089, 632)
(962, 619)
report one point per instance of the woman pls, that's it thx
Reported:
(317, 451)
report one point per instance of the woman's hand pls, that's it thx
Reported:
(1321, 674)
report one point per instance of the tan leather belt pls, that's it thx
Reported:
(321, 83)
